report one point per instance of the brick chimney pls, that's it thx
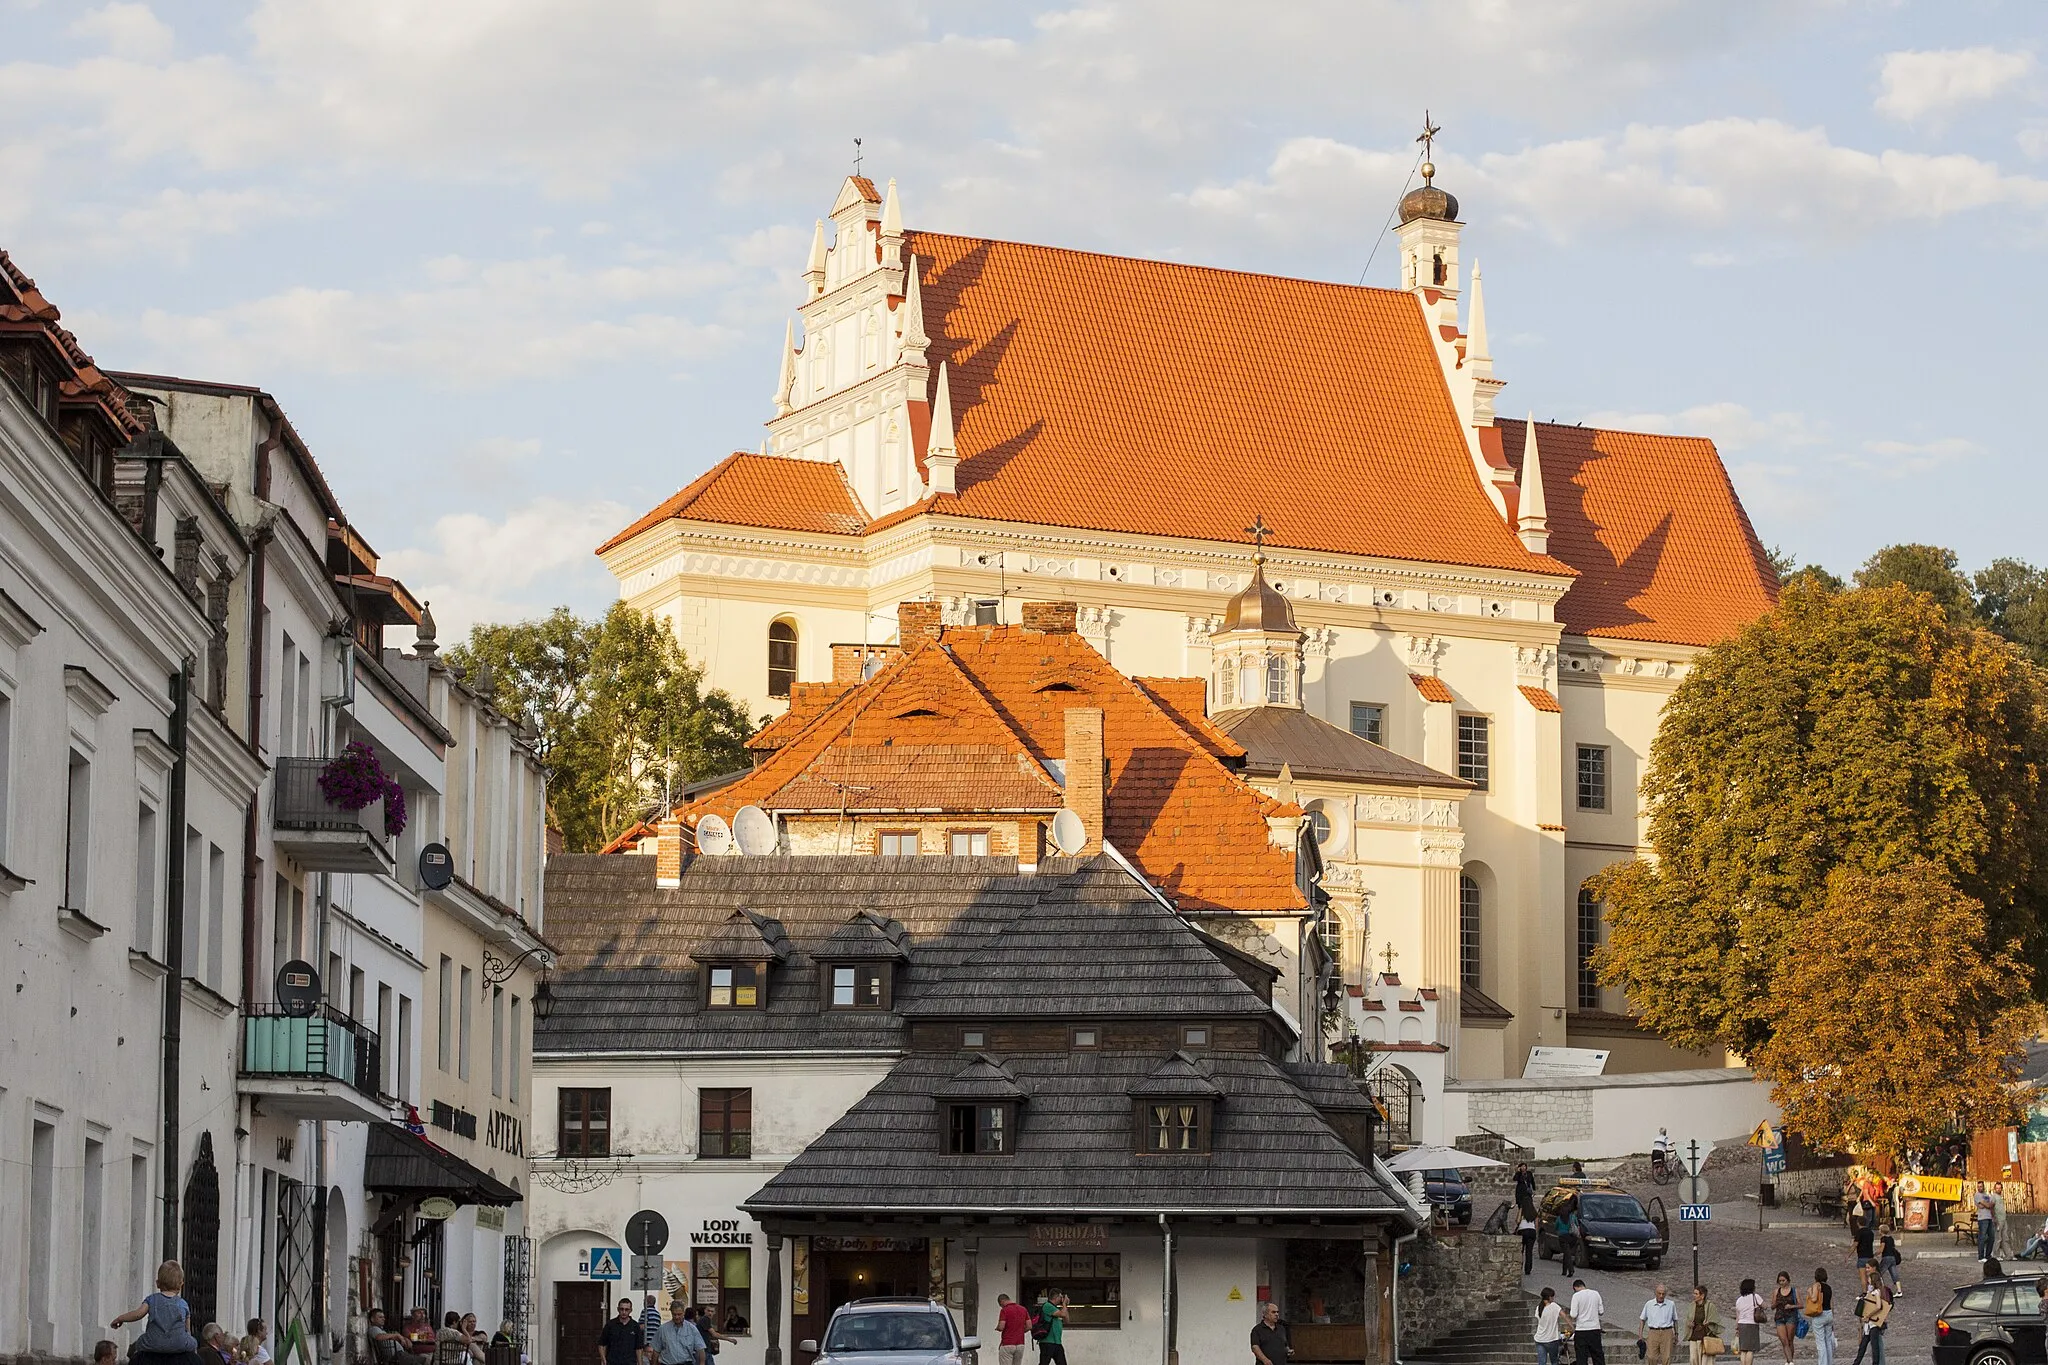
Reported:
(850, 662)
(668, 853)
(1085, 772)
(1050, 618)
(917, 621)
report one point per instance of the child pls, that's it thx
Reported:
(104, 1352)
(168, 1339)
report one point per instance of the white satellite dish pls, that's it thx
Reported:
(754, 830)
(714, 835)
(1068, 833)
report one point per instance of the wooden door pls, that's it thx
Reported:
(579, 1317)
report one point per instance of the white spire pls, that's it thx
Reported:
(787, 379)
(892, 214)
(913, 335)
(814, 272)
(1475, 328)
(1533, 519)
(940, 458)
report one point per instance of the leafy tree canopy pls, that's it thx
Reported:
(622, 714)
(1860, 731)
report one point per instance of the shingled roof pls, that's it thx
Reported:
(1309, 746)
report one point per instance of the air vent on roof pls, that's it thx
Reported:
(1057, 685)
(915, 711)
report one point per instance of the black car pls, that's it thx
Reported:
(1996, 1322)
(1447, 1189)
(1613, 1227)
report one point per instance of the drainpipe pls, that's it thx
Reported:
(1394, 1289)
(259, 544)
(1167, 1353)
(174, 954)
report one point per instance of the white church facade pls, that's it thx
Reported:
(1505, 605)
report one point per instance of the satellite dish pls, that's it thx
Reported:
(1068, 833)
(298, 989)
(437, 867)
(753, 830)
(714, 835)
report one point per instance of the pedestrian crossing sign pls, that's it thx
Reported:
(604, 1263)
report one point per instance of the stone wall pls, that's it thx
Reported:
(1456, 1276)
(1608, 1116)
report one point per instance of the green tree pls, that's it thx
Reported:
(2012, 599)
(1859, 730)
(622, 714)
(1896, 1014)
(1923, 568)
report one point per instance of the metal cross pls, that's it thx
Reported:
(1428, 137)
(856, 152)
(1258, 531)
(1389, 956)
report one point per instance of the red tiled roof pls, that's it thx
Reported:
(1431, 687)
(762, 490)
(940, 777)
(1193, 827)
(1187, 700)
(1663, 548)
(26, 312)
(1128, 378)
(1540, 698)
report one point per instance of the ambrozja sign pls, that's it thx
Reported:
(1069, 1237)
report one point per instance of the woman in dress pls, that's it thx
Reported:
(1785, 1314)
(1749, 1311)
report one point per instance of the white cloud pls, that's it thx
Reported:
(1730, 426)
(130, 31)
(475, 568)
(1913, 85)
(1899, 459)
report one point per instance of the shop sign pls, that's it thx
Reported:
(1939, 1187)
(440, 1206)
(490, 1219)
(1069, 1237)
(723, 1232)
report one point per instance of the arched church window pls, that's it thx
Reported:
(1468, 932)
(1276, 678)
(781, 658)
(1439, 272)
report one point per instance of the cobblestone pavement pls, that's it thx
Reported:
(1731, 1246)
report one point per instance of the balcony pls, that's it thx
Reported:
(319, 836)
(320, 1066)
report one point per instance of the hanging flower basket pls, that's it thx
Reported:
(354, 778)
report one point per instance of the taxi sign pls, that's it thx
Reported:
(1695, 1213)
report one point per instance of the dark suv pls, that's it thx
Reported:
(1614, 1228)
(1997, 1322)
(1446, 1188)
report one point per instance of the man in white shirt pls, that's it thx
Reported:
(1658, 1327)
(1586, 1308)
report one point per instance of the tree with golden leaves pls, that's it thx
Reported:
(1896, 1013)
(1862, 732)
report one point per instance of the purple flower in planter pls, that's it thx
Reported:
(354, 778)
(394, 808)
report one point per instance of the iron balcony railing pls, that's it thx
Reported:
(298, 803)
(327, 1045)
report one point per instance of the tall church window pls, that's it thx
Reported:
(1276, 679)
(1468, 932)
(781, 658)
(1474, 760)
(1589, 943)
(1226, 686)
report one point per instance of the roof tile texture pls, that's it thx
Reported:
(761, 490)
(1431, 687)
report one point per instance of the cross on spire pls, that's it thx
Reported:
(1258, 531)
(856, 156)
(1389, 955)
(1428, 140)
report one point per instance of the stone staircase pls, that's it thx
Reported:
(1501, 1337)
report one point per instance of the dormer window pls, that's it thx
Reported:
(1175, 1127)
(860, 986)
(981, 1129)
(741, 986)
(1276, 679)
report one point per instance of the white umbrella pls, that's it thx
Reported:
(1432, 1158)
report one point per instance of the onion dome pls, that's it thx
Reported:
(1259, 606)
(1429, 201)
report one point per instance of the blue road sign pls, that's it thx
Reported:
(1695, 1213)
(1774, 1161)
(604, 1263)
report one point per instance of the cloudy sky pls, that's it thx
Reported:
(519, 268)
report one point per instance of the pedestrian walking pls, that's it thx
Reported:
(1565, 1228)
(622, 1338)
(1703, 1324)
(1270, 1342)
(701, 1315)
(168, 1338)
(1749, 1307)
(1657, 1327)
(1048, 1328)
(1820, 1310)
(677, 1341)
(1866, 1243)
(1013, 1326)
(1785, 1314)
(1549, 1328)
(1586, 1309)
(1526, 1230)
(1874, 1308)
(650, 1321)
(1525, 1189)
(1888, 1263)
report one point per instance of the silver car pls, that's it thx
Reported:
(890, 1332)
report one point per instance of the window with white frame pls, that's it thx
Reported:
(77, 830)
(1474, 750)
(1369, 721)
(145, 878)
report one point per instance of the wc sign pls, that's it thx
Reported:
(600, 1263)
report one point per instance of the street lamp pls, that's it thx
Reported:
(497, 971)
(543, 997)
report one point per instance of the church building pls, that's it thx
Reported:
(1495, 610)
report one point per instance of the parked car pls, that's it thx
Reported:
(1447, 1189)
(1996, 1322)
(890, 1332)
(1613, 1224)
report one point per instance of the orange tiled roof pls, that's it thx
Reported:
(1128, 378)
(26, 312)
(1187, 701)
(762, 490)
(1431, 687)
(1663, 548)
(1192, 826)
(1540, 697)
(943, 777)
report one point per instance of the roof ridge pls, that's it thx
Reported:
(1160, 261)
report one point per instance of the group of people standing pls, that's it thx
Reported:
(687, 1337)
(167, 1336)
(1663, 1321)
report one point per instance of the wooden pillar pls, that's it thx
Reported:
(970, 1314)
(774, 1295)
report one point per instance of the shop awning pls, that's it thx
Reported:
(401, 1162)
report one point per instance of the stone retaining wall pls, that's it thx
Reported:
(1457, 1276)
